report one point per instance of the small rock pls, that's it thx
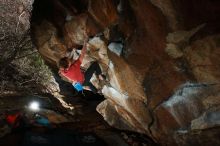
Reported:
(124, 135)
(4, 130)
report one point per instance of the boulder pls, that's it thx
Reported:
(185, 112)
(165, 81)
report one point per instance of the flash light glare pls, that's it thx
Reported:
(34, 106)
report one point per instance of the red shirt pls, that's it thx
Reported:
(74, 72)
(13, 119)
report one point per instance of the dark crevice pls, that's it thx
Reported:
(56, 11)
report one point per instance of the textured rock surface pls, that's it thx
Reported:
(22, 70)
(14, 23)
(160, 72)
(185, 112)
(166, 82)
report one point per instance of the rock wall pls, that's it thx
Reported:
(166, 81)
(22, 70)
(14, 23)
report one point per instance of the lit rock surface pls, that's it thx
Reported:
(185, 112)
(166, 82)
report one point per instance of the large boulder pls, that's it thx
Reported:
(187, 112)
(165, 81)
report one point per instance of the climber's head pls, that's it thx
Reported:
(64, 63)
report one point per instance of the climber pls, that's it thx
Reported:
(70, 70)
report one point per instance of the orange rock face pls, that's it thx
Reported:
(165, 82)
